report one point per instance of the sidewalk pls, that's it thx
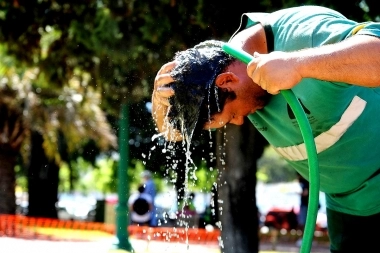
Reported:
(19, 234)
(15, 245)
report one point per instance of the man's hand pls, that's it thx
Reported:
(274, 72)
(160, 102)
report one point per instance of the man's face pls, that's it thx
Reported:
(230, 114)
(249, 98)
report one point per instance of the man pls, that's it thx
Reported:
(150, 189)
(332, 64)
(140, 205)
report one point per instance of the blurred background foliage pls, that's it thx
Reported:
(66, 67)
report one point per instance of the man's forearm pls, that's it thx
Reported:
(355, 61)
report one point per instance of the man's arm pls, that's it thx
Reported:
(354, 61)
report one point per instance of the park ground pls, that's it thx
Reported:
(104, 243)
(19, 234)
(17, 245)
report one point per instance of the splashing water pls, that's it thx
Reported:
(196, 99)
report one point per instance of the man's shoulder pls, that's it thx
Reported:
(287, 16)
(305, 11)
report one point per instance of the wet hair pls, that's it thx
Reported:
(197, 97)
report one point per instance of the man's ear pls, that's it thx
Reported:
(226, 80)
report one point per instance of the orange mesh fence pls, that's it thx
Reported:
(31, 227)
(172, 234)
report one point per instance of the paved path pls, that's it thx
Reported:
(16, 245)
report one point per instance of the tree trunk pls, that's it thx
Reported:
(11, 137)
(43, 176)
(237, 164)
(7, 183)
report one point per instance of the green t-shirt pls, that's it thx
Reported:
(343, 117)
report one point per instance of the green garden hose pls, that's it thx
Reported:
(311, 150)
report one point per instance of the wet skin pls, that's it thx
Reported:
(249, 97)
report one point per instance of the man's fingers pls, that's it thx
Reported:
(165, 92)
(256, 54)
(160, 101)
(161, 95)
(166, 68)
(251, 67)
(162, 80)
(163, 77)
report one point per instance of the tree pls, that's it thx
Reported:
(45, 119)
(28, 33)
(240, 148)
(12, 134)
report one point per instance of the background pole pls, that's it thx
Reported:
(122, 213)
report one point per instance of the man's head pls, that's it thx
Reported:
(211, 89)
(141, 188)
(197, 97)
(146, 175)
